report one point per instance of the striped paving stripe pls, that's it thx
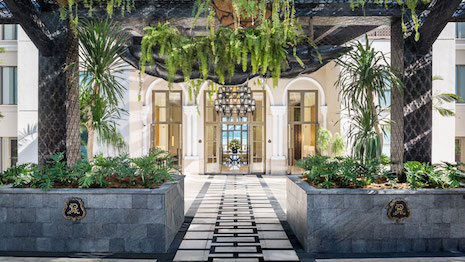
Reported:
(235, 221)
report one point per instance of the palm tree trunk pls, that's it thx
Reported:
(90, 135)
(90, 142)
(372, 107)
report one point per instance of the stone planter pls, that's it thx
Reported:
(356, 220)
(115, 221)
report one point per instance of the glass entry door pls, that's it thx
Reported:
(303, 126)
(234, 132)
(247, 132)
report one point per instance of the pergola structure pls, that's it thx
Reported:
(329, 22)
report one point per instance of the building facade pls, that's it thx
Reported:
(282, 129)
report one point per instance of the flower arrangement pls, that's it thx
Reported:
(234, 145)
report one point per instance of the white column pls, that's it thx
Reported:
(191, 127)
(324, 112)
(195, 119)
(275, 135)
(146, 129)
(279, 127)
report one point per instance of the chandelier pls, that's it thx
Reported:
(234, 100)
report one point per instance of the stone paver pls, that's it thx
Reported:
(235, 222)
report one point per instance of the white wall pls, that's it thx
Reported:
(444, 66)
(28, 90)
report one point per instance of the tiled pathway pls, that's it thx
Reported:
(235, 222)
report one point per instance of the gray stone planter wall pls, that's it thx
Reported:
(116, 221)
(355, 220)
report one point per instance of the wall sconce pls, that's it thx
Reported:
(200, 141)
(269, 141)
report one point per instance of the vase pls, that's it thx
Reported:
(225, 12)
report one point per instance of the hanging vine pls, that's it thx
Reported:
(259, 36)
(410, 5)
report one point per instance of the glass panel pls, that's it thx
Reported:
(211, 152)
(309, 99)
(458, 150)
(258, 115)
(160, 138)
(294, 98)
(160, 99)
(257, 134)
(14, 152)
(176, 114)
(308, 140)
(174, 140)
(9, 86)
(461, 81)
(310, 114)
(175, 98)
(210, 133)
(211, 115)
(159, 114)
(9, 32)
(460, 30)
(295, 114)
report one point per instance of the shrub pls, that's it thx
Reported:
(338, 145)
(148, 171)
(323, 140)
(323, 171)
(425, 175)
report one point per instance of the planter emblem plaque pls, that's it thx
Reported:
(398, 210)
(74, 209)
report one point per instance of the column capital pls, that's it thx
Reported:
(278, 110)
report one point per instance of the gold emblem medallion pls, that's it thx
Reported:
(74, 209)
(398, 210)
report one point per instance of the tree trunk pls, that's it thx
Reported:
(90, 141)
(59, 116)
(372, 107)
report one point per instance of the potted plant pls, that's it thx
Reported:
(234, 145)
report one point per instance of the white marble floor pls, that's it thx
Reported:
(235, 221)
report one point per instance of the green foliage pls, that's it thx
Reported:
(234, 144)
(69, 8)
(411, 5)
(101, 71)
(223, 49)
(440, 99)
(16, 175)
(366, 141)
(348, 172)
(323, 140)
(155, 167)
(365, 74)
(122, 171)
(425, 175)
(327, 172)
(338, 145)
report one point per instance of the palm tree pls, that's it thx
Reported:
(103, 118)
(100, 43)
(365, 75)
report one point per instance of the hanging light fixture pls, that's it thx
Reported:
(234, 100)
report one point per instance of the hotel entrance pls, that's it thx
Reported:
(235, 143)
